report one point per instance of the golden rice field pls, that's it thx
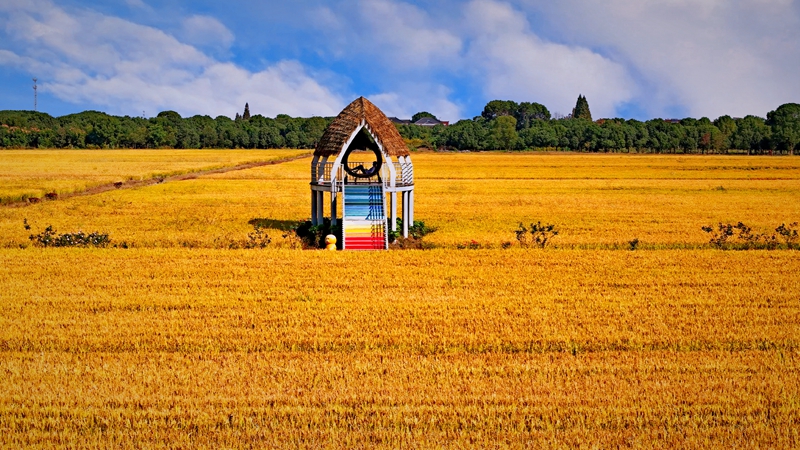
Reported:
(661, 200)
(181, 342)
(33, 173)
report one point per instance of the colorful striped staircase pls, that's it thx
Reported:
(363, 218)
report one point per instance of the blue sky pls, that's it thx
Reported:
(630, 58)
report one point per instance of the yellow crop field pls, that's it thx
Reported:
(182, 342)
(661, 200)
(33, 173)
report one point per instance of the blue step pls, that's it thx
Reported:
(364, 221)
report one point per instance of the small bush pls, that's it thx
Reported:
(788, 234)
(538, 235)
(286, 227)
(633, 244)
(741, 237)
(313, 236)
(416, 231)
(720, 236)
(411, 244)
(470, 245)
(50, 238)
(258, 238)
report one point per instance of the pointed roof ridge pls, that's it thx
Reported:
(380, 127)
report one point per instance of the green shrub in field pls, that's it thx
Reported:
(50, 238)
(741, 237)
(537, 235)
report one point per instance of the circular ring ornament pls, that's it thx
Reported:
(360, 171)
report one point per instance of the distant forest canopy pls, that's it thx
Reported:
(503, 125)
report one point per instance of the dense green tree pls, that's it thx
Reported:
(533, 129)
(727, 127)
(504, 132)
(497, 108)
(156, 136)
(785, 124)
(171, 117)
(4, 141)
(664, 137)
(421, 115)
(134, 136)
(225, 133)
(74, 137)
(709, 138)
(187, 136)
(465, 135)
(168, 124)
(636, 134)
(313, 129)
(581, 110)
(526, 113)
(540, 135)
(575, 136)
(612, 137)
(751, 134)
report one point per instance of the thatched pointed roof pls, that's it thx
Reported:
(380, 127)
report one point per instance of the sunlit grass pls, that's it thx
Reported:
(182, 342)
(32, 173)
(573, 347)
(651, 206)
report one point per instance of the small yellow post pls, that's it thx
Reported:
(330, 242)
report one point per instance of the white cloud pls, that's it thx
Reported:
(206, 31)
(483, 43)
(398, 34)
(709, 57)
(138, 4)
(516, 64)
(402, 44)
(409, 100)
(406, 35)
(664, 57)
(86, 57)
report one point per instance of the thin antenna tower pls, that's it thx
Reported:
(35, 94)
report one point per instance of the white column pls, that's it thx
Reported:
(320, 205)
(333, 208)
(411, 207)
(314, 207)
(405, 214)
(394, 210)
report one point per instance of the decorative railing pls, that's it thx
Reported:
(321, 173)
(405, 173)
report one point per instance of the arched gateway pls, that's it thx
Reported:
(362, 158)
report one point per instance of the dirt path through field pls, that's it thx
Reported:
(149, 182)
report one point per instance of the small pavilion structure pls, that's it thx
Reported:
(361, 164)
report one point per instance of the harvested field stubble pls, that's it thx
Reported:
(32, 173)
(655, 399)
(214, 347)
(661, 200)
(181, 342)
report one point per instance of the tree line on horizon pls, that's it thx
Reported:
(503, 125)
